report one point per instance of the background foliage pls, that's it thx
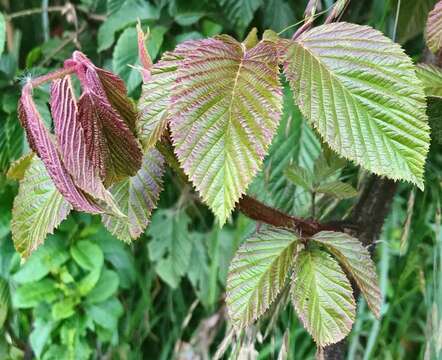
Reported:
(84, 294)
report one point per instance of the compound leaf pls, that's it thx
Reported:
(226, 108)
(137, 196)
(322, 296)
(356, 259)
(38, 209)
(257, 274)
(360, 91)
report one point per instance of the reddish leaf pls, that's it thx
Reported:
(40, 141)
(113, 147)
(71, 140)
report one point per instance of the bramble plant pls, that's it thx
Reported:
(210, 109)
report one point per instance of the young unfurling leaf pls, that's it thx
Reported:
(360, 91)
(113, 147)
(225, 110)
(41, 141)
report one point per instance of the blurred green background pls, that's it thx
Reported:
(86, 295)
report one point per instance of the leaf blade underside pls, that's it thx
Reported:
(257, 274)
(360, 91)
(225, 110)
(137, 196)
(322, 296)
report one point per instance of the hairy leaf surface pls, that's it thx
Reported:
(257, 274)
(41, 141)
(360, 91)
(322, 296)
(226, 109)
(433, 32)
(137, 196)
(431, 78)
(71, 141)
(155, 99)
(356, 259)
(110, 143)
(38, 209)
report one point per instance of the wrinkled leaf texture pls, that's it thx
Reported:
(433, 31)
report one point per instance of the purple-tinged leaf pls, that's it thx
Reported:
(41, 142)
(433, 31)
(112, 146)
(143, 54)
(137, 197)
(226, 106)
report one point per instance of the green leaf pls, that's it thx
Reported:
(155, 99)
(114, 5)
(322, 296)
(257, 274)
(4, 301)
(240, 12)
(64, 308)
(431, 78)
(337, 189)
(171, 245)
(40, 335)
(126, 57)
(278, 15)
(2, 33)
(137, 197)
(18, 167)
(38, 209)
(412, 18)
(31, 294)
(356, 259)
(126, 15)
(300, 176)
(433, 31)
(224, 116)
(88, 255)
(368, 104)
(11, 141)
(106, 314)
(106, 286)
(46, 258)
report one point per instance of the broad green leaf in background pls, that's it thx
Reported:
(4, 300)
(125, 56)
(433, 31)
(431, 78)
(369, 105)
(155, 99)
(38, 209)
(114, 5)
(300, 176)
(126, 15)
(137, 196)
(40, 335)
(87, 254)
(31, 294)
(106, 286)
(220, 130)
(279, 15)
(337, 189)
(257, 274)
(11, 141)
(240, 12)
(48, 257)
(356, 260)
(2, 33)
(63, 308)
(412, 18)
(322, 296)
(170, 247)
(106, 314)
